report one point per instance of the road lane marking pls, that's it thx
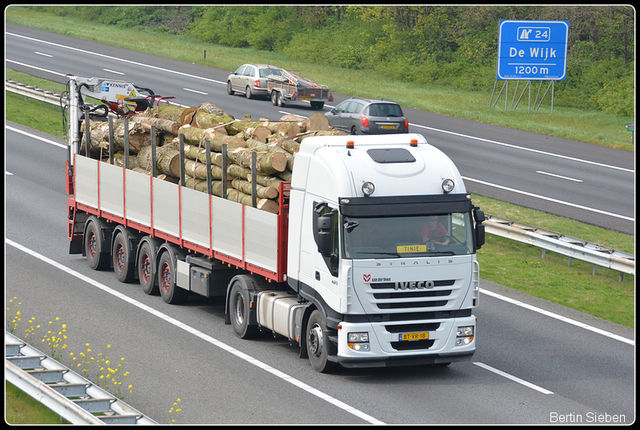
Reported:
(556, 316)
(33, 136)
(196, 91)
(113, 71)
(549, 199)
(249, 359)
(551, 154)
(513, 378)
(43, 54)
(559, 176)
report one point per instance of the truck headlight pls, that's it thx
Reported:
(358, 341)
(464, 335)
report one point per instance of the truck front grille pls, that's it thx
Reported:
(386, 296)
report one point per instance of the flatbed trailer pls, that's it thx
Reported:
(291, 87)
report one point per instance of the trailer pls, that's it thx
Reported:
(289, 86)
(370, 261)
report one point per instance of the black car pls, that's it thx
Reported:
(367, 116)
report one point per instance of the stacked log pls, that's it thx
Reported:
(275, 144)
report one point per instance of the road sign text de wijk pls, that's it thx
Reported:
(532, 50)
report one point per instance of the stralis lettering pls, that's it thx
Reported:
(414, 285)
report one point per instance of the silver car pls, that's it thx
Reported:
(366, 116)
(251, 79)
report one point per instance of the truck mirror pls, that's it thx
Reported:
(478, 214)
(325, 235)
(479, 235)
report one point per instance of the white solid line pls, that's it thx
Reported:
(34, 67)
(551, 154)
(196, 91)
(513, 378)
(548, 198)
(113, 71)
(558, 317)
(148, 66)
(201, 335)
(43, 54)
(559, 176)
(33, 136)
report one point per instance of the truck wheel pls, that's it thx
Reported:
(318, 344)
(122, 263)
(146, 269)
(248, 92)
(229, 88)
(274, 98)
(167, 275)
(94, 245)
(239, 311)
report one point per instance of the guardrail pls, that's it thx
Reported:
(66, 393)
(571, 247)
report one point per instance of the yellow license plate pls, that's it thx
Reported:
(388, 127)
(413, 336)
(411, 248)
(306, 98)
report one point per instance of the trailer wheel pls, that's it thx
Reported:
(274, 98)
(240, 311)
(229, 88)
(318, 344)
(280, 100)
(167, 275)
(146, 269)
(122, 263)
(94, 245)
(317, 105)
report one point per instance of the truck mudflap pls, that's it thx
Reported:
(439, 341)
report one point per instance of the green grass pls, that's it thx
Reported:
(21, 408)
(587, 126)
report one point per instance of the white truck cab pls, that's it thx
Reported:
(361, 250)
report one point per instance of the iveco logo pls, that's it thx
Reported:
(414, 285)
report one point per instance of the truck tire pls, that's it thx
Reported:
(240, 311)
(318, 344)
(167, 275)
(229, 88)
(146, 266)
(123, 260)
(96, 244)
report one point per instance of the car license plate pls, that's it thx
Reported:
(305, 98)
(388, 127)
(413, 336)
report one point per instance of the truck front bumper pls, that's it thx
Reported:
(385, 347)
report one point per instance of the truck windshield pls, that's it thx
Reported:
(409, 236)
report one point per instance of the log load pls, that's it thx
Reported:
(275, 144)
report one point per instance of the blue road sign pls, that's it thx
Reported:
(533, 50)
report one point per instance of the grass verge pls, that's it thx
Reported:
(21, 408)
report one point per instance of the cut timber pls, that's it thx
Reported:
(164, 125)
(266, 162)
(261, 192)
(317, 121)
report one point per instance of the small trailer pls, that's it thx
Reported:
(291, 87)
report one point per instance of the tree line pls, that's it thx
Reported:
(428, 45)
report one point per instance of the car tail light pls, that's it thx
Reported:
(365, 121)
(406, 124)
(256, 84)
